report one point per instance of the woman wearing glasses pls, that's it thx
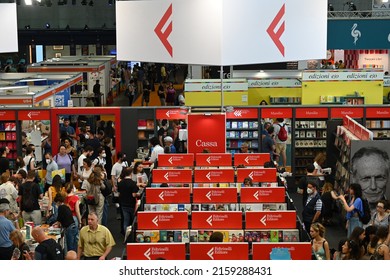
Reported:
(381, 217)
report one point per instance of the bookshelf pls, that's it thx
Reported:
(346, 100)
(145, 131)
(8, 138)
(378, 121)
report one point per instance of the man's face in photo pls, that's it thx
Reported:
(371, 172)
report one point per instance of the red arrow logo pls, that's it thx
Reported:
(275, 36)
(163, 35)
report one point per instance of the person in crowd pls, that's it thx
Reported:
(115, 174)
(145, 94)
(56, 188)
(358, 235)
(263, 103)
(46, 147)
(319, 244)
(156, 150)
(131, 92)
(244, 147)
(29, 193)
(302, 184)
(86, 171)
(170, 95)
(87, 152)
(181, 101)
(138, 175)
(161, 94)
(25, 142)
(369, 237)
(67, 129)
(71, 255)
(140, 80)
(216, 236)
(19, 164)
(101, 158)
(96, 241)
(94, 143)
(19, 242)
(21, 175)
(109, 132)
(4, 161)
(381, 216)
(29, 159)
(73, 201)
(163, 73)
(350, 250)
(8, 191)
(248, 182)
(51, 166)
(95, 181)
(371, 169)
(70, 150)
(97, 93)
(328, 203)
(100, 169)
(280, 145)
(47, 249)
(128, 193)
(65, 161)
(65, 220)
(89, 102)
(108, 158)
(352, 207)
(163, 131)
(268, 144)
(168, 141)
(338, 254)
(313, 206)
(6, 227)
(264, 131)
(381, 251)
(319, 162)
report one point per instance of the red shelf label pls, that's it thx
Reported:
(34, 115)
(216, 220)
(274, 113)
(215, 195)
(257, 175)
(171, 114)
(168, 195)
(239, 113)
(339, 113)
(378, 113)
(298, 250)
(214, 160)
(172, 160)
(271, 220)
(263, 195)
(219, 251)
(148, 251)
(251, 159)
(311, 113)
(214, 176)
(7, 115)
(172, 175)
(162, 220)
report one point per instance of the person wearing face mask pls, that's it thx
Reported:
(50, 167)
(101, 158)
(312, 209)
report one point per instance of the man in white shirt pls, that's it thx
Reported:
(156, 150)
(87, 152)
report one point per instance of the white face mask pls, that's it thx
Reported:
(48, 161)
(86, 136)
(309, 191)
(103, 155)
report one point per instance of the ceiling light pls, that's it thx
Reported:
(28, 2)
(47, 25)
(27, 27)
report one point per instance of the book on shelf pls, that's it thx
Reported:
(152, 236)
(244, 134)
(234, 125)
(245, 124)
(276, 235)
(141, 135)
(239, 125)
(228, 124)
(141, 124)
(167, 207)
(149, 124)
(228, 235)
(291, 235)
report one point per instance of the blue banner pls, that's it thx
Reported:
(61, 98)
(359, 34)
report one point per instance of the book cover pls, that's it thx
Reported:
(255, 124)
(252, 236)
(141, 135)
(245, 124)
(274, 236)
(185, 236)
(150, 124)
(235, 236)
(170, 235)
(291, 235)
(240, 124)
(234, 125)
(250, 134)
(204, 235)
(228, 125)
(265, 236)
(255, 134)
(141, 124)
(177, 236)
(163, 236)
(195, 207)
(252, 207)
(244, 134)
(193, 236)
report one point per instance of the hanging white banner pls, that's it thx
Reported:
(9, 29)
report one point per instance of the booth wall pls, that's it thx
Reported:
(214, 98)
(255, 95)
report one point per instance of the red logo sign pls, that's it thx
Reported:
(276, 34)
(298, 250)
(213, 159)
(167, 195)
(251, 159)
(265, 195)
(275, 113)
(216, 220)
(171, 114)
(214, 175)
(34, 115)
(220, 251)
(214, 195)
(257, 175)
(172, 175)
(162, 220)
(311, 113)
(378, 113)
(271, 220)
(7, 115)
(163, 35)
(166, 251)
(243, 114)
(171, 160)
(206, 132)
(339, 113)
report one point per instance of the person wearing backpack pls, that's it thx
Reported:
(281, 136)
(354, 207)
(48, 248)
(29, 193)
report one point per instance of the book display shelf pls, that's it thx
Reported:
(285, 100)
(8, 135)
(145, 131)
(378, 121)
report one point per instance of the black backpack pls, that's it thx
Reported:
(28, 197)
(52, 250)
(366, 217)
(108, 190)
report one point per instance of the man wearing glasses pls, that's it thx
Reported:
(370, 169)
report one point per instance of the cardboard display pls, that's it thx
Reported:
(219, 251)
(257, 175)
(214, 175)
(174, 160)
(168, 195)
(214, 195)
(217, 220)
(263, 195)
(251, 159)
(162, 220)
(150, 251)
(298, 250)
(271, 220)
(172, 176)
(213, 160)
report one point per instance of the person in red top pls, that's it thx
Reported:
(73, 201)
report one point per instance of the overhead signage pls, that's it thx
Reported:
(150, 251)
(251, 159)
(273, 31)
(340, 112)
(7, 115)
(172, 175)
(271, 220)
(9, 32)
(297, 250)
(257, 174)
(274, 113)
(213, 159)
(243, 113)
(171, 114)
(214, 175)
(162, 220)
(274, 83)
(335, 75)
(34, 115)
(212, 85)
(219, 251)
(263, 195)
(174, 160)
(378, 113)
(167, 195)
(216, 220)
(214, 195)
(311, 113)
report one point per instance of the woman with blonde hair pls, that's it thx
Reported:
(94, 184)
(319, 244)
(18, 241)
